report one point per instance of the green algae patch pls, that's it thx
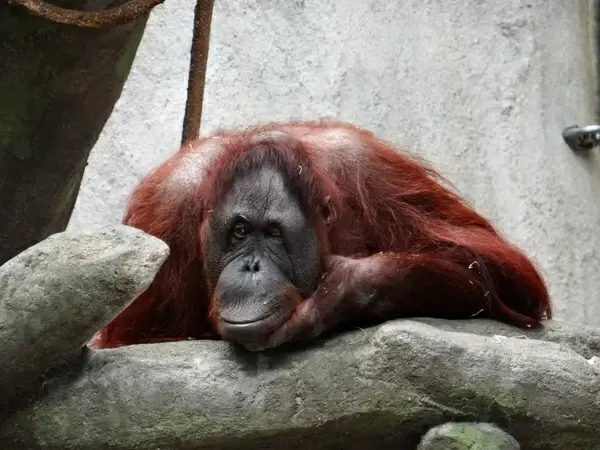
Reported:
(468, 436)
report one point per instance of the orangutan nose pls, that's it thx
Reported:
(252, 265)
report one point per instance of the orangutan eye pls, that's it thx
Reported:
(240, 230)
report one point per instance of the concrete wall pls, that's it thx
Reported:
(481, 88)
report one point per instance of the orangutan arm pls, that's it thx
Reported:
(452, 283)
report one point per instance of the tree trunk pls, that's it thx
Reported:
(58, 87)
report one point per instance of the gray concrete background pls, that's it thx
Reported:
(481, 88)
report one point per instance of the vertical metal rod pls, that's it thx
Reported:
(197, 72)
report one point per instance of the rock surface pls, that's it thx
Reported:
(467, 436)
(55, 295)
(383, 387)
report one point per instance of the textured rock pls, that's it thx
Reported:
(467, 436)
(55, 295)
(383, 387)
(581, 339)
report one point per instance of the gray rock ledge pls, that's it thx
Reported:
(383, 387)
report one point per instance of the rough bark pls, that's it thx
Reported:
(58, 86)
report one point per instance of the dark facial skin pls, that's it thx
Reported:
(261, 257)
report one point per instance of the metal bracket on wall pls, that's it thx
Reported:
(582, 139)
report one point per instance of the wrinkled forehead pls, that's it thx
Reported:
(260, 195)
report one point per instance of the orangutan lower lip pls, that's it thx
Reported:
(251, 330)
(244, 322)
(260, 323)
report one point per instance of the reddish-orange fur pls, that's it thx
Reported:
(382, 202)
